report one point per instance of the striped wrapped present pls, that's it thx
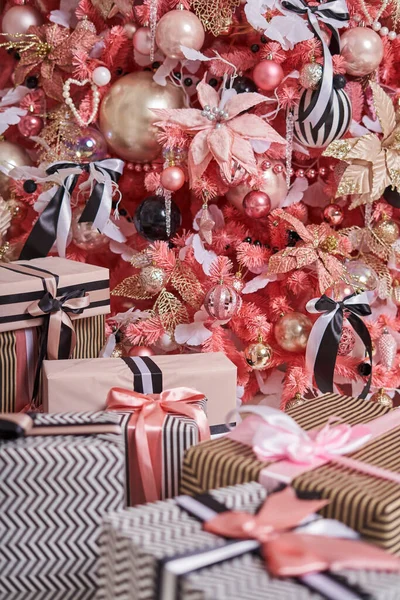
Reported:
(366, 503)
(162, 551)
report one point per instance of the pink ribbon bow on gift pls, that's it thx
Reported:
(277, 437)
(292, 554)
(145, 429)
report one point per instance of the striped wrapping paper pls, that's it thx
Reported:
(368, 505)
(136, 543)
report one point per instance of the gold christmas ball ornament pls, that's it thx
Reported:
(381, 397)
(258, 355)
(11, 156)
(126, 117)
(294, 402)
(152, 279)
(387, 230)
(362, 276)
(85, 236)
(119, 350)
(292, 331)
(310, 75)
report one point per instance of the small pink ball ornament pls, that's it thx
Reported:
(172, 178)
(222, 302)
(30, 125)
(257, 204)
(140, 351)
(179, 28)
(101, 76)
(362, 49)
(18, 19)
(267, 75)
(142, 40)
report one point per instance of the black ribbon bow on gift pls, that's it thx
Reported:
(334, 15)
(54, 222)
(324, 339)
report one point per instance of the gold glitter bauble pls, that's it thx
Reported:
(310, 76)
(152, 279)
(294, 402)
(382, 398)
(292, 331)
(387, 231)
(118, 351)
(258, 355)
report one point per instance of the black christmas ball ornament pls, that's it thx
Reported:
(244, 85)
(31, 82)
(364, 369)
(392, 196)
(29, 186)
(339, 81)
(150, 218)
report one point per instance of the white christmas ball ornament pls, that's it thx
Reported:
(101, 76)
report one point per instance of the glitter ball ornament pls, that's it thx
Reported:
(310, 75)
(362, 276)
(85, 236)
(150, 218)
(362, 50)
(178, 28)
(119, 350)
(30, 125)
(152, 279)
(89, 146)
(333, 214)
(387, 230)
(267, 75)
(257, 204)
(387, 347)
(347, 341)
(381, 397)
(222, 302)
(294, 402)
(292, 331)
(258, 355)
(140, 351)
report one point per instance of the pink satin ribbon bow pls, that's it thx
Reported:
(145, 429)
(290, 554)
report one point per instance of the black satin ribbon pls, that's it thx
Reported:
(44, 232)
(325, 361)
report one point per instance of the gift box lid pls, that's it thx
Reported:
(19, 290)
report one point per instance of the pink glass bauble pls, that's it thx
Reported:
(172, 178)
(89, 146)
(130, 30)
(85, 236)
(131, 134)
(140, 351)
(222, 302)
(362, 276)
(362, 49)
(30, 125)
(18, 19)
(339, 291)
(347, 341)
(142, 40)
(274, 186)
(256, 204)
(267, 75)
(179, 28)
(333, 214)
(292, 331)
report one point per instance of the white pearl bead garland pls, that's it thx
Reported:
(101, 76)
(375, 24)
(70, 103)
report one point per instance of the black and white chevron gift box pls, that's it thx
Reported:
(54, 492)
(160, 551)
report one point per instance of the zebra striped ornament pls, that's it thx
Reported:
(332, 126)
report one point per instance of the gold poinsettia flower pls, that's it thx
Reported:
(373, 160)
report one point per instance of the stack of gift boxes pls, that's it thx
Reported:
(113, 486)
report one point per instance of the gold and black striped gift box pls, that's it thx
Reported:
(17, 372)
(370, 506)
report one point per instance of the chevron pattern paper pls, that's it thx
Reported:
(135, 541)
(54, 492)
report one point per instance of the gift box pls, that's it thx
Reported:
(48, 307)
(163, 551)
(84, 384)
(159, 428)
(56, 484)
(363, 488)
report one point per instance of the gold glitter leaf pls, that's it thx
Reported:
(384, 109)
(384, 277)
(337, 149)
(215, 15)
(187, 285)
(170, 310)
(131, 288)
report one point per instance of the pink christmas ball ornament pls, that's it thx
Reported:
(267, 75)
(142, 40)
(18, 19)
(30, 125)
(179, 28)
(172, 178)
(257, 204)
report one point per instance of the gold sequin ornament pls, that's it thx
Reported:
(118, 351)
(382, 398)
(387, 230)
(152, 279)
(310, 75)
(258, 355)
(215, 15)
(294, 402)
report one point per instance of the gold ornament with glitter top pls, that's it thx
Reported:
(381, 397)
(294, 402)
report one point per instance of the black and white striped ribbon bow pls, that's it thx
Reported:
(334, 14)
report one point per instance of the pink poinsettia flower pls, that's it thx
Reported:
(220, 132)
